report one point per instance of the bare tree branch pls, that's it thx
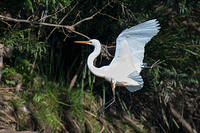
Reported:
(70, 28)
(34, 22)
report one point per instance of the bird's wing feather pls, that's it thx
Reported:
(135, 76)
(136, 37)
(134, 88)
(123, 65)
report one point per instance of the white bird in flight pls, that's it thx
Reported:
(125, 68)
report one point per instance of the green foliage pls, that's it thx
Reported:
(27, 49)
(50, 6)
(24, 43)
(46, 104)
(47, 110)
(75, 99)
(10, 76)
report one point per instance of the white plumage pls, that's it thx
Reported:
(130, 50)
(125, 68)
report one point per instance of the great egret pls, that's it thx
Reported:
(125, 68)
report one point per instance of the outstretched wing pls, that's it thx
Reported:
(136, 37)
(130, 45)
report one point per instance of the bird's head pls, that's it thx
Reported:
(93, 42)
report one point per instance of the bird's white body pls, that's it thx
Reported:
(125, 68)
(114, 72)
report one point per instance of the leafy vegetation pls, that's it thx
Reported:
(46, 85)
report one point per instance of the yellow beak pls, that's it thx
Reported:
(82, 42)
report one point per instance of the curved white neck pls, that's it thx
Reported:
(90, 61)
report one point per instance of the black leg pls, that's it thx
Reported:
(106, 105)
(110, 102)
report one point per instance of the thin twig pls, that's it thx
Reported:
(97, 118)
(91, 17)
(33, 65)
(81, 34)
(67, 14)
(111, 46)
(90, 113)
(72, 83)
(6, 23)
(102, 129)
(45, 17)
(7, 116)
(62, 20)
(109, 16)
